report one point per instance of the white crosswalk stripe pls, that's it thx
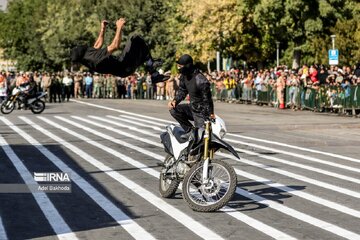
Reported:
(118, 215)
(271, 231)
(313, 159)
(58, 224)
(138, 136)
(316, 222)
(3, 235)
(179, 216)
(296, 147)
(279, 171)
(282, 187)
(251, 222)
(303, 166)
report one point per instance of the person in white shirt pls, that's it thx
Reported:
(67, 84)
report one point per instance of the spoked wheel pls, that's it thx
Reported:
(216, 192)
(167, 186)
(7, 106)
(37, 106)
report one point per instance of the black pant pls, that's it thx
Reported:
(66, 93)
(183, 114)
(135, 53)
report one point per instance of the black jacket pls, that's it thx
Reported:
(198, 88)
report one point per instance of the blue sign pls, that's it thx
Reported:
(334, 57)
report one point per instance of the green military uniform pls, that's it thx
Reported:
(109, 86)
(113, 87)
(96, 92)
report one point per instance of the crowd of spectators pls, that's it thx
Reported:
(235, 85)
(246, 85)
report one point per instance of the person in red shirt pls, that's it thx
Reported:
(313, 74)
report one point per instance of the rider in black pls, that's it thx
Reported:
(101, 60)
(201, 106)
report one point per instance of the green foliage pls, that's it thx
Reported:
(39, 34)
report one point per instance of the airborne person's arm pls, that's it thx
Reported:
(117, 39)
(100, 40)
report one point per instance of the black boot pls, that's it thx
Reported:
(151, 64)
(156, 77)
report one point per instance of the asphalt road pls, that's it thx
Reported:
(298, 176)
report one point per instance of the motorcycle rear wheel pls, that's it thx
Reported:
(216, 193)
(7, 107)
(38, 106)
(167, 186)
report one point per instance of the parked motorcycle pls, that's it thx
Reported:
(208, 183)
(25, 99)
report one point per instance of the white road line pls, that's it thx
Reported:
(301, 216)
(299, 193)
(312, 159)
(135, 129)
(282, 187)
(260, 226)
(62, 230)
(139, 124)
(336, 175)
(3, 235)
(145, 132)
(158, 144)
(179, 216)
(279, 171)
(278, 207)
(296, 147)
(230, 134)
(318, 170)
(121, 111)
(297, 176)
(117, 214)
(272, 232)
(143, 120)
(329, 173)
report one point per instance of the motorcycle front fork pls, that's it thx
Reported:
(208, 153)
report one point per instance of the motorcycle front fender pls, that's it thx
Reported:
(216, 142)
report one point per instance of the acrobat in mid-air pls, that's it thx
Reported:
(135, 54)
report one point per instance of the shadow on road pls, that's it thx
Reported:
(21, 214)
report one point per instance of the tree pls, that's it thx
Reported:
(266, 17)
(64, 27)
(18, 36)
(211, 26)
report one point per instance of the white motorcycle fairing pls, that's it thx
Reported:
(176, 146)
(38, 96)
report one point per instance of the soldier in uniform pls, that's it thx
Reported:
(101, 86)
(96, 91)
(109, 86)
(78, 79)
(46, 84)
(113, 87)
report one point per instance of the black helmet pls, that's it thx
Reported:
(185, 60)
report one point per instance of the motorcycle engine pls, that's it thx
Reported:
(182, 168)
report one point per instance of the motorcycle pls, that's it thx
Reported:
(208, 183)
(22, 96)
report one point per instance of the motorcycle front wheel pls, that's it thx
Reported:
(213, 194)
(38, 106)
(167, 186)
(7, 106)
